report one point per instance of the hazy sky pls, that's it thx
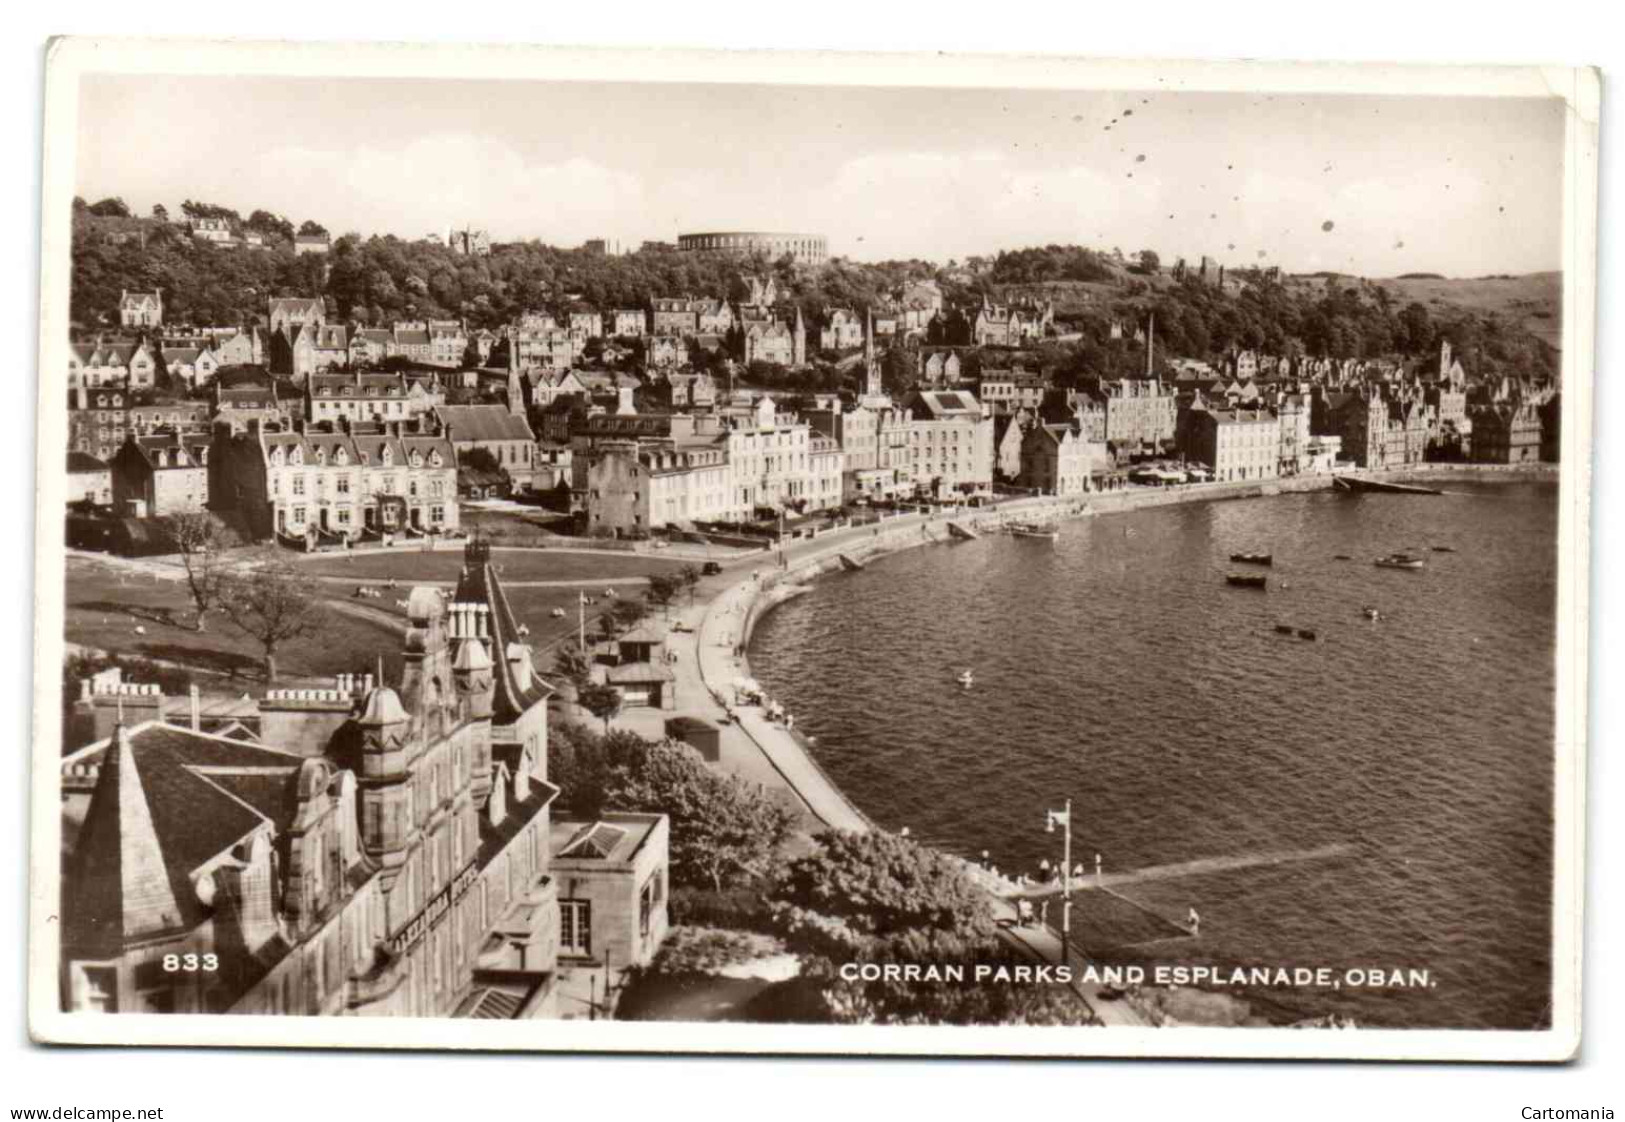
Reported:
(1460, 186)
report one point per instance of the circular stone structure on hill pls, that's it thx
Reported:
(806, 249)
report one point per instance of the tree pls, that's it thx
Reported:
(110, 208)
(273, 603)
(310, 229)
(663, 589)
(602, 701)
(160, 212)
(275, 225)
(724, 831)
(201, 538)
(690, 576)
(627, 614)
(879, 885)
(1149, 261)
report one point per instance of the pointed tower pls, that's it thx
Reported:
(516, 393)
(121, 891)
(799, 341)
(474, 678)
(871, 363)
(388, 829)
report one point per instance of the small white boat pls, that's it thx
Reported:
(966, 679)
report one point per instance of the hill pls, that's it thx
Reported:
(1533, 301)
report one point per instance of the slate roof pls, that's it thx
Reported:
(478, 584)
(167, 801)
(84, 461)
(476, 423)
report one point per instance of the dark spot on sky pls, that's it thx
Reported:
(1327, 225)
(1229, 167)
(1140, 159)
(1128, 112)
(1077, 116)
(1232, 245)
(1502, 209)
(1399, 245)
(1261, 253)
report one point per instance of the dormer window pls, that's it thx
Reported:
(296, 457)
(340, 457)
(387, 456)
(276, 457)
(417, 458)
(434, 459)
(321, 456)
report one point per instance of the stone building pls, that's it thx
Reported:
(632, 490)
(166, 473)
(626, 323)
(496, 429)
(125, 363)
(613, 893)
(338, 479)
(1236, 444)
(141, 309)
(950, 442)
(291, 311)
(1506, 432)
(379, 850)
(1056, 460)
(189, 366)
(89, 480)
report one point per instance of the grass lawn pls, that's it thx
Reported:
(106, 605)
(512, 565)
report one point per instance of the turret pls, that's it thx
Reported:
(386, 813)
(474, 678)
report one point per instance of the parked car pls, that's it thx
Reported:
(711, 568)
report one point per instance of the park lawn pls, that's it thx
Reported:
(104, 606)
(512, 565)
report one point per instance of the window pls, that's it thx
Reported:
(100, 993)
(299, 485)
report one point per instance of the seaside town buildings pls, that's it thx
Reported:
(359, 850)
(649, 432)
(338, 480)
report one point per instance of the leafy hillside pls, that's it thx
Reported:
(1496, 325)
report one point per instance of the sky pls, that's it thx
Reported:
(1372, 185)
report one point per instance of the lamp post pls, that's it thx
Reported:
(1064, 819)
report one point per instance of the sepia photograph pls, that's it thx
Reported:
(811, 553)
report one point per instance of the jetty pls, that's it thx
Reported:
(959, 530)
(1358, 483)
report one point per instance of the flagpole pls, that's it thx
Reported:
(1066, 884)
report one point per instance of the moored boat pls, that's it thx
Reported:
(1400, 561)
(1247, 580)
(1034, 530)
(1253, 558)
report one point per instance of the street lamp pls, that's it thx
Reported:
(1064, 819)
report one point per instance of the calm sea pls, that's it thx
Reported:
(1117, 668)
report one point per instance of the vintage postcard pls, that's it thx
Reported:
(806, 553)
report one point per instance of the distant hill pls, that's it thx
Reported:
(1534, 301)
